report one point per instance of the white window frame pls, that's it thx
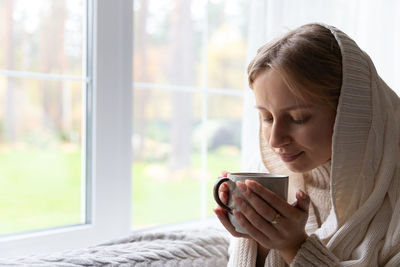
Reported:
(108, 184)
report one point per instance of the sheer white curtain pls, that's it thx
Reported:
(374, 25)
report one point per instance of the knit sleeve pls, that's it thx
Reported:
(242, 252)
(314, 253)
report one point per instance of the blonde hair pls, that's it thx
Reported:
(308, 59)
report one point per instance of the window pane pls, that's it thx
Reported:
(167, 51)
(167, 42)
(40, 115)
(42, 36)
(227, 43)
(40, 154)
(183, 52)
(166, 169)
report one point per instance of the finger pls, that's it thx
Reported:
(224, 187)
(303, 200)
(275, 201)
(255, 219)
(260, 206)
(224, 197)
(223, 193)
(223, 218)
(251, 230)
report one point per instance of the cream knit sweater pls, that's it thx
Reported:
(354, 218)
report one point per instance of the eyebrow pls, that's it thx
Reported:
(300, 106)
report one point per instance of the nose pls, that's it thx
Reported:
(279, 135)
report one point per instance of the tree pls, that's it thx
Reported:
(181, 73)
(52, 59)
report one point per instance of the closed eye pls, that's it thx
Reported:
(300, 121)
(268, 120)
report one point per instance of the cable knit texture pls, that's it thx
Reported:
(243, 252)
(190, 247)
(354, 219)
(316, 185)
(314, 253)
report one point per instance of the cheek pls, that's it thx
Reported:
(266, 131)
(319, 139)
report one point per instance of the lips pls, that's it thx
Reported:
(290, 157)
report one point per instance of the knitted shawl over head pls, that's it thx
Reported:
(363, 225)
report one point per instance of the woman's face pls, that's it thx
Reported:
(298, 130)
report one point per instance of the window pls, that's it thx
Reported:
(42, 82)
(65, 165)
(189, 73)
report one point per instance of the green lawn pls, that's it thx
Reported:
(38, 189)
(42, 188)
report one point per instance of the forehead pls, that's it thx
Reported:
(272, 92)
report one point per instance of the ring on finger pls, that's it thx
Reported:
(275, 220)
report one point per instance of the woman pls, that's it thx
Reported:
(332, 124)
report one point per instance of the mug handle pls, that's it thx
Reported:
(216, 195)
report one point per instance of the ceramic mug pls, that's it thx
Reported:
(274, 182)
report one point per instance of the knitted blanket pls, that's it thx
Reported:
(199, 247)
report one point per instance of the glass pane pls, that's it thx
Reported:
(166, 145)
(42, 36)
(227, 43)
(40, 154)
(184, 46)
(224, 128)
(167, 42)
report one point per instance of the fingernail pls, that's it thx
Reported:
(242, 187)
(251, 184)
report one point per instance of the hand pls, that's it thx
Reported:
(270, 220)
(221, 213)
